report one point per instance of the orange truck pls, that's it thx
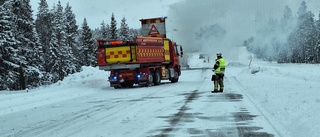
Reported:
(145, 61)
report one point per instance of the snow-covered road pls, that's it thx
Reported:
(186, 108)
(256, 102)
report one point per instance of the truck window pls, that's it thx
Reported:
(176, 50)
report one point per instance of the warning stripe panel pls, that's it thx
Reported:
(150, 54)
(118, 54)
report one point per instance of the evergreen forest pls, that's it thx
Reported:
(45, 48)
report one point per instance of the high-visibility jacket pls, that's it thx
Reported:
(219, 67)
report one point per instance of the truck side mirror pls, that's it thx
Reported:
(181, 51)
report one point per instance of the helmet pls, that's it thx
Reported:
(219, 54)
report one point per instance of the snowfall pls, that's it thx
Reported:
(260, 99)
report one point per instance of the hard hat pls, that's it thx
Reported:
(219, 54)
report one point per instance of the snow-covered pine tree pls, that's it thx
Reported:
(8, 48)
(71, 26)
(103, 32)
(296, 38)
(108, 31)
(88, 44)
(46, 25)
(311, 38)
(113, 28)
(44, 29)
(302, 39)
(124, 30)
(65, 56)
(58, 42)
(29, 48)
(317, 48)
(133, 33)
(71, 36)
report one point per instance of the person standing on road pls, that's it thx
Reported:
(219, 69)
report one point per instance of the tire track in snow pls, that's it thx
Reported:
(50, 127)
(121, 108)
(176, 118)
(53, 126)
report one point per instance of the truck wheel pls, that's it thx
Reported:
(157, 78)
(176, 76)
(150, 79)
(117, 87)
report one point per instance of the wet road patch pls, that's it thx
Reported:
(243, 116)
(251, 131)
(243, 119)
(181, 116)
(238, 122)
(144, 99)
(225, 97)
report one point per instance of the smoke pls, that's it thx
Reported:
(211, 26)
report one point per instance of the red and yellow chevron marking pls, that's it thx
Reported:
(150, 52)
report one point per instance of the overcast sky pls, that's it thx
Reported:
(95, 11)
(240, 19)
(133, 10)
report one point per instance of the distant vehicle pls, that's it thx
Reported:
(203, 56)
(145, 61)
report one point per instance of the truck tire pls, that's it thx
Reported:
(157, 77)
(175, 77)
(117, 87)
(150, 79)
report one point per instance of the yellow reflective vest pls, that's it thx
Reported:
(221, 63)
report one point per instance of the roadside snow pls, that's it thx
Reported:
(73, 86)
(289, 93)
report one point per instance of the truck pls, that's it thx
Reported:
(145, 61)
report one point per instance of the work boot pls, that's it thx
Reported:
(221, 89)
(214, 91)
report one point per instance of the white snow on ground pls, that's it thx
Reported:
(289, 93)
(285, 95)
